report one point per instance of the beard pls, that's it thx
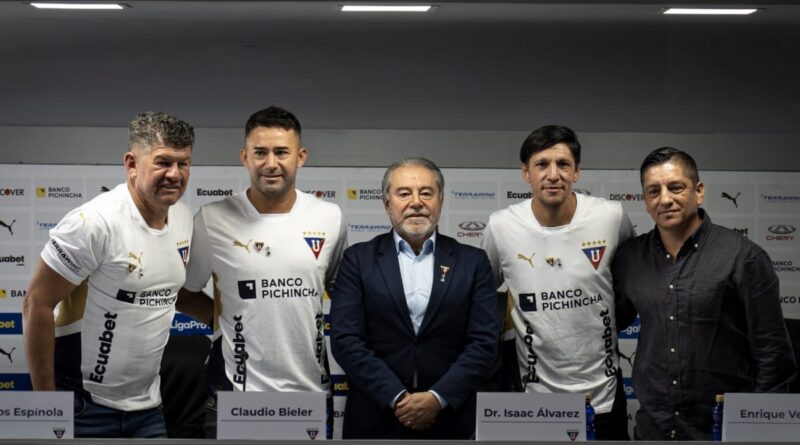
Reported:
(414, 228)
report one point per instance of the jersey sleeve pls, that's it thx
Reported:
(198, 270)
(336, 257)
(77, 245)
(490, 247)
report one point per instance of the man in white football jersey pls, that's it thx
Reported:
(112, 270)
(273, 251)
(554, 251)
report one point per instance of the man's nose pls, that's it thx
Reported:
(271, 161)
(174, 171)
(665, 198)
(552, 172)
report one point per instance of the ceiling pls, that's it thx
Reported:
(468, 65)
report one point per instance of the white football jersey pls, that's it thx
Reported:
(270, 273)
(111, 331)
(563, 299)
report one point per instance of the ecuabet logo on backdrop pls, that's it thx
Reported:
(10, 323)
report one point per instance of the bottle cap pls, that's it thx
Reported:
(588, 397)
(719, 398)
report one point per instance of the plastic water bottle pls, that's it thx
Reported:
(716, 417)
(590, 434)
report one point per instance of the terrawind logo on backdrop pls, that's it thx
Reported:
(45, 225)
(371, 228)
(779, 198)
(473, 195)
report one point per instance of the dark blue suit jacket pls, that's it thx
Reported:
(373, 339)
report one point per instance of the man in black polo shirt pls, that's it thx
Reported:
(709, 304)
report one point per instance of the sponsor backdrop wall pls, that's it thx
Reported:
(764, 207)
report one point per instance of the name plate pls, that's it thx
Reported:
(761, 418)
(271, 415)
(36, 415)
(535, 416)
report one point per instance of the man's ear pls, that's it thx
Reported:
(302, 154)
(129, 161)
(700, 191)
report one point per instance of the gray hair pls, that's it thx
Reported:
(417, 162)
(151, 128)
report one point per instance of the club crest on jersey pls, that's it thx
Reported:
(315, 241)
(183, 251)
(572, 434)
(312, 433)
(594, 251)
(258, 245)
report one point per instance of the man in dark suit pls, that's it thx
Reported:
(414, 319)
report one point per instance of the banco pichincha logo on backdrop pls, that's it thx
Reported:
(364, 195)
(12, 291)
(369, 194)
(786, 265)
(59, 191)
(9, 293)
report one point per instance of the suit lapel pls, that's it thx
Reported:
(444, 262)
(390, 268)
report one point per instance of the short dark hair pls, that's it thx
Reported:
(669, 154)
(272, 117)
(157, 127)
(418, 162)
(547, 136)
